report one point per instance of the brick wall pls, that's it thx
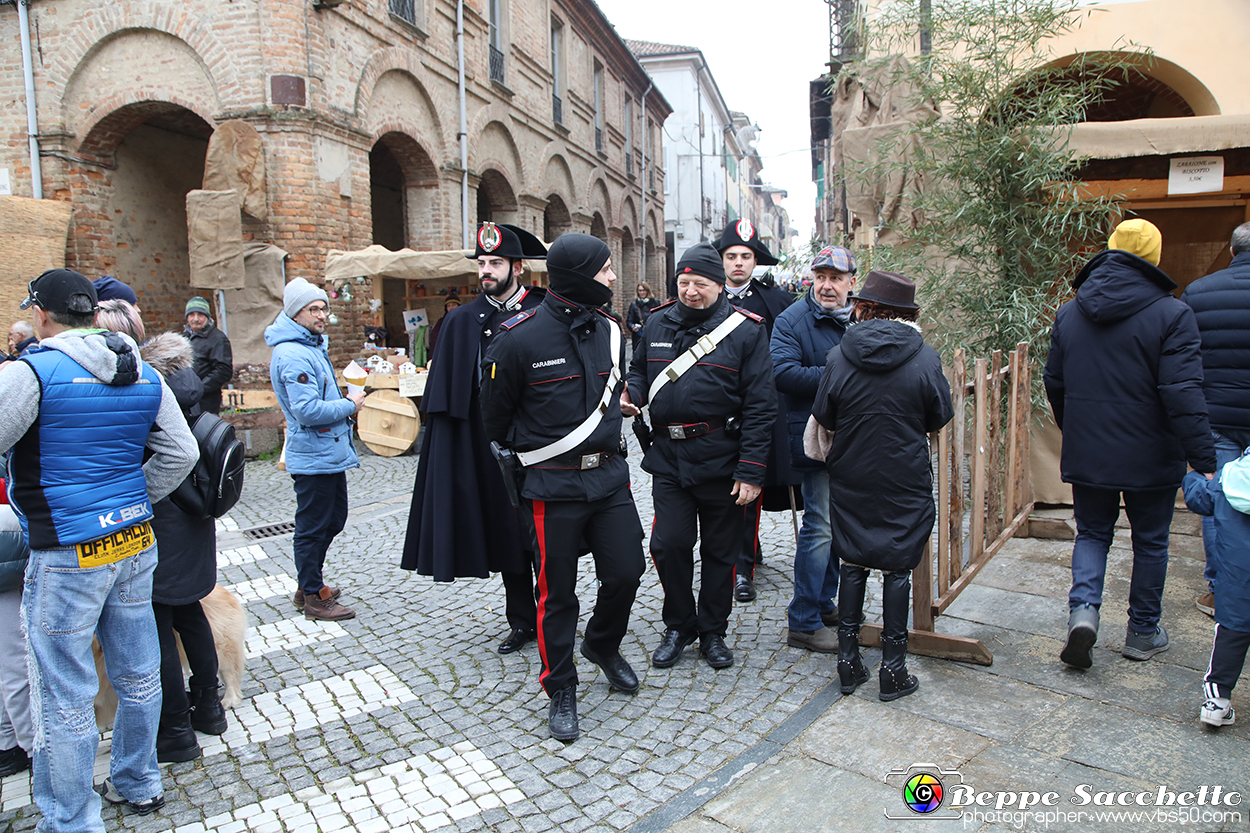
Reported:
(128, 94)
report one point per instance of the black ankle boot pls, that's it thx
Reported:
(175, 739)
(895, 602)
(207, 715)
(851, 670)
(895, 681)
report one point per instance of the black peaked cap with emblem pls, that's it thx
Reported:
(506, 240)
(744, 233)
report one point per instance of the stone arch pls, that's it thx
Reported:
(629, 264)
(495, 148)
(114, 118)
(130, 216)
(95, 89)
(558, 178)
(397, 90)
(557, 219)
(599, 227)
(1153, 87)
(629, 215)
(403, 191)
(597, 198)
(99, 22)
(496, 198)
(655, 227)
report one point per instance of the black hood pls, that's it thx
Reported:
(1116, 284)
(880, 345)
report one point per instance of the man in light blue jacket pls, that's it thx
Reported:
(319, 447)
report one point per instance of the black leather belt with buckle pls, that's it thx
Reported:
(578, 461)
(690, 430)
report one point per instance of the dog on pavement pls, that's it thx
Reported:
(229, 623)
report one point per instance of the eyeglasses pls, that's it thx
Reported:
(317, 310)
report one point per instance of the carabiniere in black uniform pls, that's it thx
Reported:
(543, 373)
(710, 428)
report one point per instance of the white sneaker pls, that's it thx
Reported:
(1213, 714)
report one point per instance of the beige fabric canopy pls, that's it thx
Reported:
(452, 267)
(1159, 137)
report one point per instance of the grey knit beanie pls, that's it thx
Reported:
(298, 294)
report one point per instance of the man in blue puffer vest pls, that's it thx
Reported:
(319, 448)
(1221, 305)
(79, 411)
(802, 337)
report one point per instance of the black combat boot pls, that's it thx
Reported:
(175, 739)
(207, 714)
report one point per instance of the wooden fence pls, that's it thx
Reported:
(983, 495)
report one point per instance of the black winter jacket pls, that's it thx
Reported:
(1124, 379)
(1221, 305)
(541, 376)
(734, 380)
(882, 393)
(214, 363)
(186, 545)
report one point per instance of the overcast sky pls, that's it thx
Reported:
(762, 55)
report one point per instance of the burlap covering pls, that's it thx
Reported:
(236, 162)
(1045, 443)
(253, 308)
(35, 232)
(215, 239)
(450, 267)
(1159, 137)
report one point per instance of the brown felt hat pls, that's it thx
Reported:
(888, 288)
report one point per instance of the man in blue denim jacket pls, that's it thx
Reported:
(319, 447)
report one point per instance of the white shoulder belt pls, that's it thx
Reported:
(706, 344)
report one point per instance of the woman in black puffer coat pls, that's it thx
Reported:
(882, 393)
(187, 567)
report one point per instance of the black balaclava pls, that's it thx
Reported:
(572, 263)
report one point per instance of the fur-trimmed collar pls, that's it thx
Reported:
(167, 353)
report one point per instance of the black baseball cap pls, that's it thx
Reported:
(60, 291)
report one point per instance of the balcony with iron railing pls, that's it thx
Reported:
(496, 65)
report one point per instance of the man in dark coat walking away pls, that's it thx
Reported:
(802, 338)
(214, 362)
(1124, 379)
(551, 382)
(741, 250)
(1221, 305)
(882, 393)
(461, 524)
(712, 428)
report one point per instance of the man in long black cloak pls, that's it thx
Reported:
(461, 524)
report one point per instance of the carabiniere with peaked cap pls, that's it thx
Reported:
(505, 240)
(744, 233)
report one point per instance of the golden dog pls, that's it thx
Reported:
(229, 623)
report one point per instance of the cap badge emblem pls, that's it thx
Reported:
(745, 230)
(488, 237)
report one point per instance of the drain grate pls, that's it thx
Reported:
(256, 533)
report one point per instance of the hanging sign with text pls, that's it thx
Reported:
(1196, 175)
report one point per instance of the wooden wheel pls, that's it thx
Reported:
(388, 423)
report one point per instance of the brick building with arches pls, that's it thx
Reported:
(357, 105)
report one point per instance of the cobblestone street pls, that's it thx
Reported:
(406, 717)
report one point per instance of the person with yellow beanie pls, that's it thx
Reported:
(1124, 379)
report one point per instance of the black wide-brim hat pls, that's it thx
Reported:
(889, 289)
(744, 233)
(506, 240)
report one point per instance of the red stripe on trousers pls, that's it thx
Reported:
(540, 532)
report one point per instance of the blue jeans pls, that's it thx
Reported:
(1225, 452)
(1150, 517)
(320, 514)
(815, 565)
(63, 606)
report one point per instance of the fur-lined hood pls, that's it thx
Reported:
(167, 353)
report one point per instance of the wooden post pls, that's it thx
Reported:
(1011, 488)
(976, 524)
(994, 482)
(959, 383)
(944, 508)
